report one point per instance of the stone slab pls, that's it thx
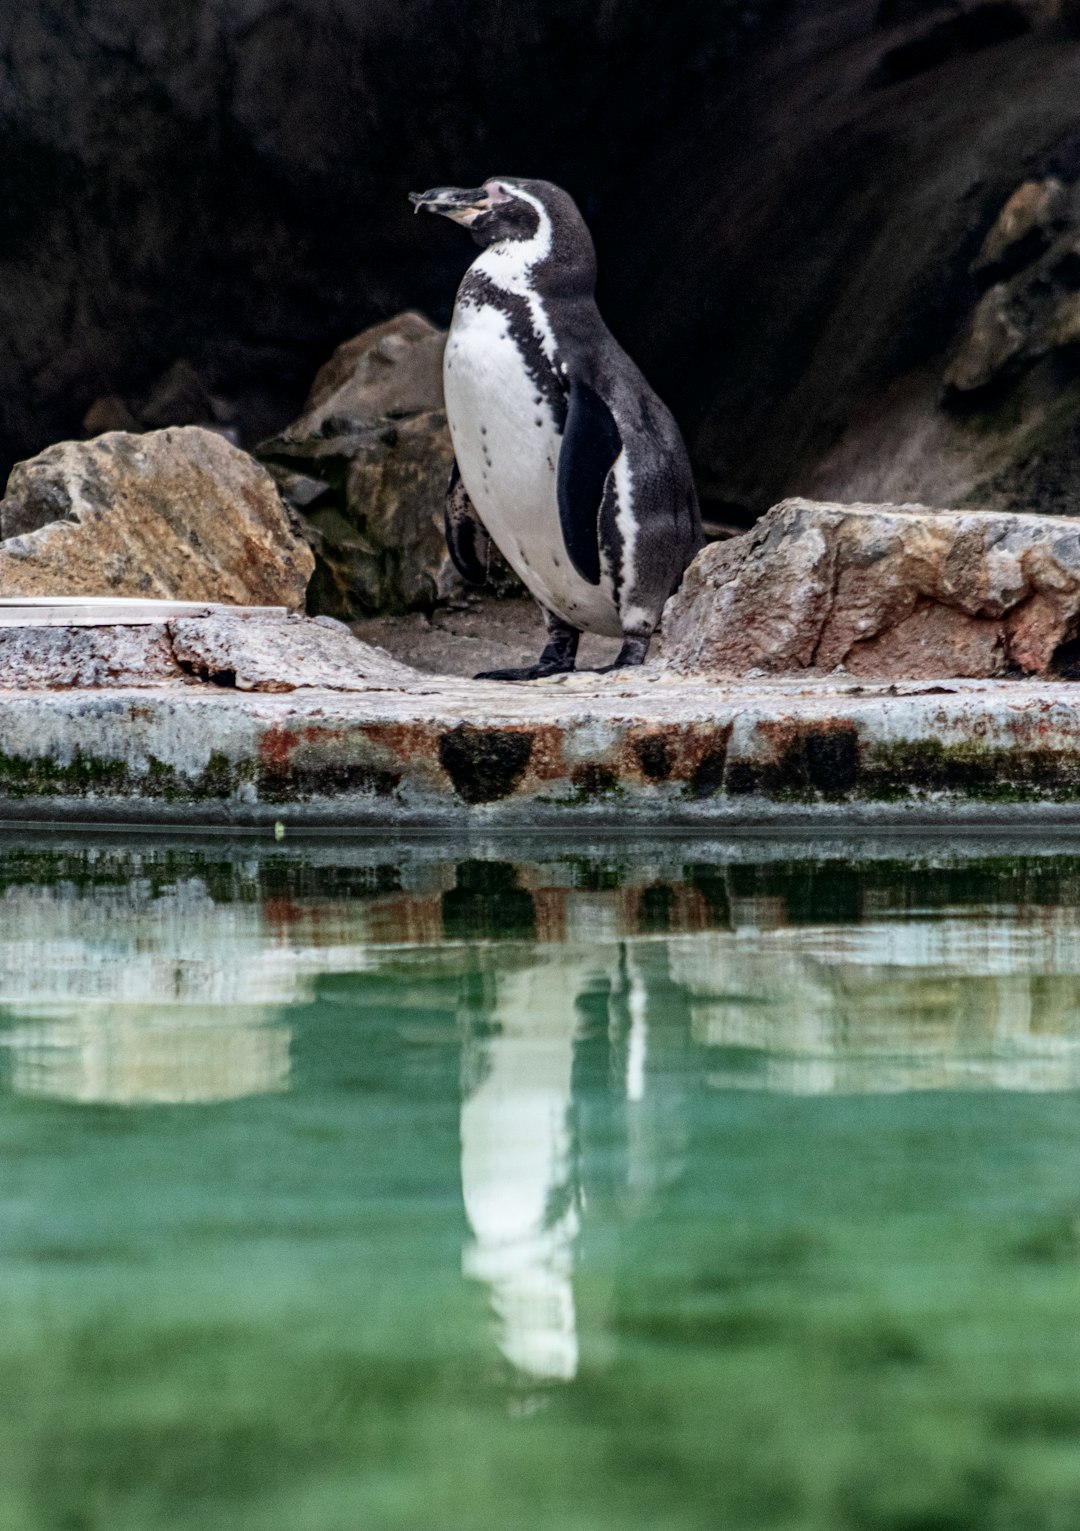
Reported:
(641, 752)
(111, 644)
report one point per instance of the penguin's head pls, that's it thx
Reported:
(533, 221)
(500, 209)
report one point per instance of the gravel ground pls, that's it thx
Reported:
(486, 634)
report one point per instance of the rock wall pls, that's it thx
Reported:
(788, 201)
(224, 181)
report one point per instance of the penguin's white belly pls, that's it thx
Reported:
(507, 451)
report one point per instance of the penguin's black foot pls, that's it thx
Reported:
(632, 652)
(556, 657)
(528, 672)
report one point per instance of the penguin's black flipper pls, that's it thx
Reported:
(468, 542)
(590, 444)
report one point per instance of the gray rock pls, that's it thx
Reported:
(993, 340)
(256, 652)
(236, 649)
(176, 514)
(1004, 431)
(891, 591)
(55, 658)
(390, 370)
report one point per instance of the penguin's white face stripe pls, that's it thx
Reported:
(509, 264)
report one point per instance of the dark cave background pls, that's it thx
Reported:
(786, 195)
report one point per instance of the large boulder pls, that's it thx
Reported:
(366, 466)
(391, 370)
(177, 513)
(893, 591)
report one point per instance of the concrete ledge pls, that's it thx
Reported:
(641, 750)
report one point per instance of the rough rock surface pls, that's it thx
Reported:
(175, 513)
(266, 653)
(392, 369)
(995, 424)
(57, 658)
(366, 466)
(890, 591)
(225, 649)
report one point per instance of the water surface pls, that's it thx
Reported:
(678, 1186)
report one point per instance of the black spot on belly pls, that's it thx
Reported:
(555, 560)
(483, 430)
(539, 421)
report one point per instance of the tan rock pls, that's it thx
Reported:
(893, 591)
(1065, 324)
(1031, 210)
(993, 338)
(177, 513)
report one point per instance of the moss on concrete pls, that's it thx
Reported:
(41, 776)
(969, 769)
(86, 775)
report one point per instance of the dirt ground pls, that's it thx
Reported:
(485, 634)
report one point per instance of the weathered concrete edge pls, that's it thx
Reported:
(655, 756)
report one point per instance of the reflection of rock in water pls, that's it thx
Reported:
(126, 1053)
(983, 1001)
(125, 993)
(516, 1166)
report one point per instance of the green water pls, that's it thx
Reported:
(683, 1186)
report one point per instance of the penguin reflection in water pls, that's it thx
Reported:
(564, 456)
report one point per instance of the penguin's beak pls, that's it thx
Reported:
(453, 202)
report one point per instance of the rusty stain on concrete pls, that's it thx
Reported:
(634, 751)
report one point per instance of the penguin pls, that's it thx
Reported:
(564, 457)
